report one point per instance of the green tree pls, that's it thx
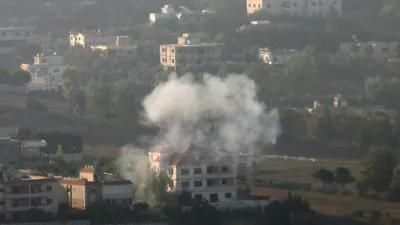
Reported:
(98, 99)
(325, 176)
(158, 185)
(60, 150)
(343, 176)
(70, 81)
(391, 8)
(394, 192)
(21, 76)
(378, 168)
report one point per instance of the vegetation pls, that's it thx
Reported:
(14, 77)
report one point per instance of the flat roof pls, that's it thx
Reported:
(196, 45)
(114, 47)
(16, 28)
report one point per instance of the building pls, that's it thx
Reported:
(197, 170)
(378, 50)
(45, 72)
(10, 155)
(277, 57)
(184, 15)
(93, 37)
(23, 190)
(93, 185)
(13, 37)
(122, 47)
(296, 7)
(190, 53)
(32, 148)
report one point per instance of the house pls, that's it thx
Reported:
(190, 53)
(202, 172)
(378, 50)
(184, 15)
(276, 57)
(32, 148)
(93, 185)
(21, 191)
(296, 7)
(92, 37)
(122, 47)
(45, 72)
(13, 37)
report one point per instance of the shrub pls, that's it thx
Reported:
(35, 105)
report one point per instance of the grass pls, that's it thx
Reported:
(335, 204)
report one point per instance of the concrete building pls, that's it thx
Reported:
(13, 37)
(45, 72)
(190, 53)
(296, 7)
(22, 191)
(92, 186)
(93, 37)
(184, 15)
(32, 148)
(197, 170)
(277, 57)
(378, 50)
(10, 154)
(122, 47)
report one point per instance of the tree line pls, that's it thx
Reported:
(14, 77)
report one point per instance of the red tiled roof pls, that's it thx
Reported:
(31, 181)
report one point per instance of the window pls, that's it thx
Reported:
(1, 202)
(185, 184)
(49, 188)
(224, 182)
(1, 189)
(130, 52)
(385, 50)
(197, 171)
(209, 183)
(254, 5)
(224, 169)
(27, 34)
(3, 34)
(173, 50)
(249, 5)
(259, 5)
(268, 6)
(171, 184)
(313, 4)
(185, 171)
(213, 197)
(295, 4)
(228, 195)
(52, 78)
(93, 190)
(171, 171)
(198, 197)
(198, 183)
(17, 33)
(173, 60)
(56, 70)
(49, 201)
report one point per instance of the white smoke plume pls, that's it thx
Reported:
(219, 114)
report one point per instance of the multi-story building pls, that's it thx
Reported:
(32, 148)
(13, 37)
(93, 185)
(190, 53)
(23, 191)
(45, 72)
(377, 50)
(122, 47)
(10, 150)
(277, 57)
(202, 172)
(93, 37)
(296, 7)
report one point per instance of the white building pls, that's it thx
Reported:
(45, 71)
(184, 16)
(12, 37)
(276, 57)
(92, 38)
(198, 171)
(377, 50)
(296, 7)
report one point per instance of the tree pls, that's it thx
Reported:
(158, 185)
(98, 99)
(378, 168)
(21, 76)
(60, 150)
(325, 176)
(343, 176)
(391, 8)
(394, 192)
(69, 82)
(78, 101)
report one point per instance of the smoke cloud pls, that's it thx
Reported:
(219, 114)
